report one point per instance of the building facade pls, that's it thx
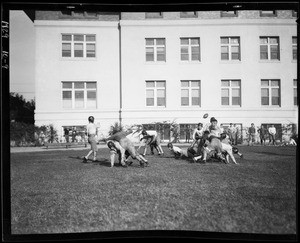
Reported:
(144, 68)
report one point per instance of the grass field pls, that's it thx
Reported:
(53, 192)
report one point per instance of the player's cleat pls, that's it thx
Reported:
(84, 160)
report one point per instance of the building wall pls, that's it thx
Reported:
(250, 70)
(52, 69)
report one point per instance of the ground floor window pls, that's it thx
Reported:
(237, 134)
(74, 134)
(278, 128)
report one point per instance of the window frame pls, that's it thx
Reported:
(230, 88)
(73, 98)
(294, 45)
(262, 14)
(71, 14)
(295, 88)
(270, 87)
(155, 91)
(73, 42)
(190, 88)
(186, 15)
(190, 45)
(229, 45)
(154, 17)
(228, 13)
(268, 44)
(155, 47)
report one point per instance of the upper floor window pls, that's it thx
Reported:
(78, 45)
(190, 93)
(155, 50)
(230, 48)
(79, 95)
(295, 92)
(270, 92)
(294, 13)
(268, 13)
(231, 92)
(188, 14)
(190, 49)
(269, 48)
(229, 13)
(294, 44)
(78, 14)
(156, 93)
(153, 15)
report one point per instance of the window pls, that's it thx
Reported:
(156, 93)
(294, 13)
(190, 49)
(153, 15)
(229, 13)
(77, 14)
(270, 92)
(295, 92)
(79, 95)
(294, 44)
(269, 48)
(231, 92)
(268, 13)
(155, 50)
(188, 14)
(190, 93)
(230, 48)
(78, 45)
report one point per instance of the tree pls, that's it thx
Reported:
(20, 109)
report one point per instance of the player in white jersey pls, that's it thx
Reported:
(91, 130)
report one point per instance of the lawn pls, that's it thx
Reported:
(53, 192)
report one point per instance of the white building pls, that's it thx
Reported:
(142, 68)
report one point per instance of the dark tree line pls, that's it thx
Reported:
(20, 109)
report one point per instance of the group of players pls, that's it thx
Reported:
(208, 143)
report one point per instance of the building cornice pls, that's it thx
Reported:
(65, 23)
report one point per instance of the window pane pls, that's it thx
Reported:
(67, 85)
(184, 83)
(195, 53)
(150, 84)
(67, 95)
(274, 83)
(149, 42)
(153, 14)
(263, 55)
(294, 52)
(184, 101)
(265, 92)
(160, 84)
(224, 40)
(275, 92)
(274, 55)
(91, 85)
(184, 41)
(79, 85)
(275, 101)
(184, 93)
(236, 101)
(263, 40)
(295, 82)
(184, 50)
(161, 57)
(235, 83)
(235, 56)
(225, 83)
(149, 54)
(79, 99)
(225, 100)
(235, 40)
(273, 40)
(150, 93)
(69, 37)
(264, 82)
(265, 100)
(90, 50)
(294, 40)
(224, 56)
(195, 83)
(78, 50)
(195, 41)
(236, 93)
(78, 37)
(91, 94)
(66, 50)
(160, 93)
(195, 97)
(150, 101)
(225, 92)
(235, 49)
(90, 38)
(224, 49)
(184, 57)
(160, 41)
(195, 101)
(161, 102)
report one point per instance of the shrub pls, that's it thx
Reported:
(116, 127)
